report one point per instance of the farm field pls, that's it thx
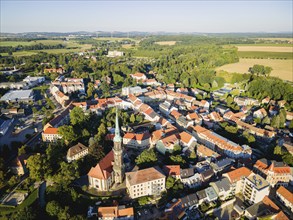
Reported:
(265, 55)
(281, 68)
(266, 49)
(29, 43)
(169, 43)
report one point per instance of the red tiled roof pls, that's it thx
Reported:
(51, 131)
(237, 174)
(104, 168)
(172, 170)
(185, 137)
(286, 194)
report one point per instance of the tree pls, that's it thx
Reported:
(278, 150)
(147, 157)
(68, 134)
(275, 123)
(132, 118)
(38, 167)
(102, 131)
(22, 150)
(95, 149)
(177, 159)
(68, 172)
(177, 149)
(266, 120)
(170, 182)
(53, 208)
(105, 89)
(291, 124)
(77, 116)
(192, 155)
(90, 90)
(143, 200)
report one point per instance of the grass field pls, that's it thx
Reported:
(281, 68)
(26, 43)
(279, 39)
(265, 55)
(169, 43)
(266, 49)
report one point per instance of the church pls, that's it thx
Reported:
(110, 169)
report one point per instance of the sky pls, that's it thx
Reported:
(169, 16)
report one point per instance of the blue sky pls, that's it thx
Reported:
(177, 16)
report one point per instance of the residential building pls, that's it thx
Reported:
(115, 53)
(76, 152)
(222, 165)
(187, 140)
(255, 188)
(51, 135)
(34, 80)
(189, 201)
(222, 188)
(59, 70)
(60, 97)
(286, 197)
(205, 152)
(276, 173)
(137, 141)
(172, 170)
(264, 208)
(146, 182)
(138, 76)
(133, 90)
(236, 178)
(260, 113)
(211, 194)
(194, 117)
(5, 123)
(190, 178)
(18, 96)
(202, 196)
(115, 212)
(70, 85)
(166, 144)
(220, 144)
(14, 85)
(243, 101)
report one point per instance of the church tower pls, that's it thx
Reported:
(118, 154)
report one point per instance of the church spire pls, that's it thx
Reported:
(117, 137)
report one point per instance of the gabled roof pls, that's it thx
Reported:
(285, 193)
(145, 175)
(172, 170)
(281, 216)
(51, 131)
(237, 174)
(104, 168)
(115, 212)
(76, 149)
(185, 137)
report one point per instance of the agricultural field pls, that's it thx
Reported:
(281, 68)
(265, 55)
(266, 49)
(29, 43)
(168, 43)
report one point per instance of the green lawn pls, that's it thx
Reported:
(28, 43)
(265, 55)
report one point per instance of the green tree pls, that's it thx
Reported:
(53, 208)
(67, 173)
(22, 150)
(132, 118)
(291, 124)
(143, 200)
(177, 149)
(278, 150)
(266, 120)
(77, 116)
(170, 182)
(90, 90)
(95, 149)
(177, 159)
(38, 167)
(275, 123)
(68, 134)
(147, 157)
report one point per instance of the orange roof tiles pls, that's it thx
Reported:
(175, 114)
(185, 137)
(193, 116)
(172, 170)
(207, 152)
(237, 174)
(285, 193)
(281, 216)
(104, 168)
(51, 131)
(267, 201)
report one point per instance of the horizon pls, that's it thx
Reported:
(147, 16)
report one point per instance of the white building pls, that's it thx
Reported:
(146, 182)
(138, 141)
(33, 81)
(133, 90)
(115, 53)
(255, 188)
(18, 96)
(51, 135)
(76, 152)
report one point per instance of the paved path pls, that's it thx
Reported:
(42, 190)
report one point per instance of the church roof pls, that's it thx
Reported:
(104, 168)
